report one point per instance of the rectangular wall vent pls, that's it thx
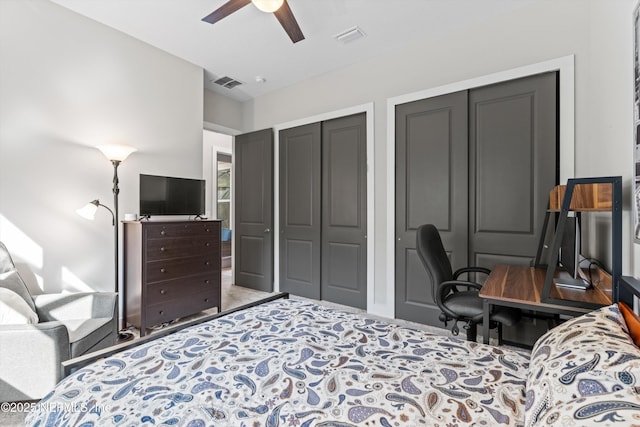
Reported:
(227, 82)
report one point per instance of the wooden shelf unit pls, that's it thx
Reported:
(597, 197)
(602, 194)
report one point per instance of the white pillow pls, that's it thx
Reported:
(14, 310)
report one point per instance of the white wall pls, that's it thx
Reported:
(223, 112)
(68, 84)
(597, 32)
(604, 109)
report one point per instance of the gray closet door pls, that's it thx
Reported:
(431, 187)
(512, 149)
(300, 210)
(344, 213)
(254, 210)
(501, 160)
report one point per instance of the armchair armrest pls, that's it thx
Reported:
(87, 305)
(31, 359)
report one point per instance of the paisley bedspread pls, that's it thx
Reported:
(295, 363)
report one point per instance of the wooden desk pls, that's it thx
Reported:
(521, 287)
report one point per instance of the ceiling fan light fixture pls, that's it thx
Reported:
(268, 6)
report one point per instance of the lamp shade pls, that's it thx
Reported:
(88, 211)
(268, 5)
(116, 152)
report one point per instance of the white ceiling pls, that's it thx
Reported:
(250, 43)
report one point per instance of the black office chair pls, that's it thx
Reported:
(457, 299)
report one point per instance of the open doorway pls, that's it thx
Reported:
(223, 203)
(218, 173)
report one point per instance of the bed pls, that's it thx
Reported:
(290, 362)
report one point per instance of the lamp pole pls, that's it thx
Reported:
(116, 154)
(116, 191)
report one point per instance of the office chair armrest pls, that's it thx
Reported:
(452, 286)
(460, 271)
(445, 288)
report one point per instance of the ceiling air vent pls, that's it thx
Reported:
(350, 35)
(227, 82)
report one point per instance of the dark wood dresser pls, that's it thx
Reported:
(171, 270)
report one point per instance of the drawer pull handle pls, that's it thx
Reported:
(207, 244)
(161, 313)
(162, 233)
(206, 300)
(206, 281)
(208, 230)
(162, 292)
(207, 263)
(162, 270)
(162, 249)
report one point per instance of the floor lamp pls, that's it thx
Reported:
(116, 154)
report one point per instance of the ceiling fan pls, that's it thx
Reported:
(280, 8)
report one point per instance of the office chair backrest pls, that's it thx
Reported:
(433, 255)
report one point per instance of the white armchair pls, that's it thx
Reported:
(69, 325)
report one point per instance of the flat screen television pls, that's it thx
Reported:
(165, 195)
(570, 256)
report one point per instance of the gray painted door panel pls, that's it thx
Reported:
(512, 146)
(253, 216)
(344, 214)
(431, 187)
(300, 197)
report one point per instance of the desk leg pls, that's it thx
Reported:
(486, 307)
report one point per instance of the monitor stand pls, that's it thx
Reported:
(564, 280)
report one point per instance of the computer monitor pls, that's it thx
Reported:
(569, 256)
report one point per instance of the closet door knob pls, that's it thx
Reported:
(267, 230)
(162, 270)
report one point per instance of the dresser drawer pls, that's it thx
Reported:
(181, 229)
(176, 308)
(173, 247)
(174, 268)
(180, 288)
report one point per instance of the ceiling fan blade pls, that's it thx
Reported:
(225, 10)
(289, 23)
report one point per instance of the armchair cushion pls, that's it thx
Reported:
(81, 305)
(11, 280)
(14, 310)
(6, 263)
